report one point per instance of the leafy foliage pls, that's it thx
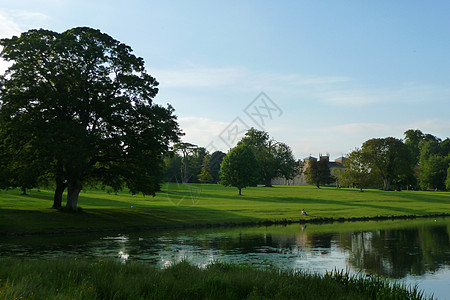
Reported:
(274, 158)
(83, 103)
(186, 149)
(239, 168)
(172, 168)
(388, 158)
(447, 181)
(205, 176)
(357, 172)
(214, 167)
(434, 162)
(317, 172)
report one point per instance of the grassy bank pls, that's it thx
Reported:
(83, 279)
(195, 204)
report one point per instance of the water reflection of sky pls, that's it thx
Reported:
(419, 255)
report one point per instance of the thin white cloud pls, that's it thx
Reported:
(202, 126)
(14, 22)
(349, 97)
(202, 131)
(236, 77)
(433, 126)
(343, 138)
(8, 27)
(28, 18)
(199, 77)
(405, 94)
(328, 90)
(310, 137)
(372, 129)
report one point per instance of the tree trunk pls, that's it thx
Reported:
(185, 171)
(57, 198)
(60, 185)
(268, 182)
(73, 190)
(387, 183)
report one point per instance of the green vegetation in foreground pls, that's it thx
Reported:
(188, 205)
(84, 279)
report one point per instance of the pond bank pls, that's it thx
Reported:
(134, 228)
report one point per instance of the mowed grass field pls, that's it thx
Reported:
(188, 205)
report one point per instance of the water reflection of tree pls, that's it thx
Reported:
(266, 243)
(397, 253)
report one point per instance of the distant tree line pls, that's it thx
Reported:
(189, 163)
(419, 161)
(256, 159)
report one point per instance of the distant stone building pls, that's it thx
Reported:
(338, 163)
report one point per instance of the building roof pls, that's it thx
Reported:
(309, 157)
(333, 164)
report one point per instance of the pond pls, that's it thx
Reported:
(412, 251)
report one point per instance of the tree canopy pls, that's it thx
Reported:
(205, 175)
(215, 162)
(317, 172)
(239, 168)
(433, 163)
(274, 158)
(186, 149)
(357, 172)
(388, 158)
(83, 103)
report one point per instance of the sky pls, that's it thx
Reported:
(320, 76)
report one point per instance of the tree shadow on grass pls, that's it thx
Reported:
(342, 203)
(15, 221)
(301, 200)
(430, 197)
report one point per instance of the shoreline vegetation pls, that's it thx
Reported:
(180, 206)
(99, 279)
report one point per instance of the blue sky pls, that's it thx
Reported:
(334, 73)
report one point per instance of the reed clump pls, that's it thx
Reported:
(99, 279)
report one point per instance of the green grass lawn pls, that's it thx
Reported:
(202, 204)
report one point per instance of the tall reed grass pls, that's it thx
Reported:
(85, 279)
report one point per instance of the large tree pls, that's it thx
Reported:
(434, 162)
(173, 166)
(447, 181)
(214, 166)
(357, 172)
(239, 168)
(205, 175)
(317, 172)
(196, 160)
(430, 155)
(185, 149)
(389, 158)
(274, 158)
(83, 102)
(413, 139)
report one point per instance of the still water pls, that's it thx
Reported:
(412, 251)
